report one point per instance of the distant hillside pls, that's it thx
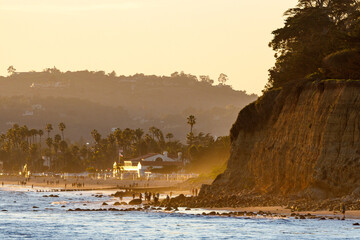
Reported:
(86, 100)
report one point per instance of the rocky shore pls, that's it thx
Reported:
(251, 200)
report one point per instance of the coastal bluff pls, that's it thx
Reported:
(300, 141)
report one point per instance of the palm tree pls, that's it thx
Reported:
(118, 136)
(57, 138)
(190, 138)
(169, 136)
(139, 133)
(33, 133)
(128, 136)
(62, 128)
(40, 132)
(191, 120)
(48, 128)
(153, 131)
(49, 142)
(63, 146)
(159, 135)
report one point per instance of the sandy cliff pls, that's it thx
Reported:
(302, 141)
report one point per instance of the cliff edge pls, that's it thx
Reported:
(302, 141)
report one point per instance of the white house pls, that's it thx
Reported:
(157, 160)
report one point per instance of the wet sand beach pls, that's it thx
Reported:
(87, 183)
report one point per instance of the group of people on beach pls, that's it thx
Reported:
(76, 184)
(148, 195)
(52, 182)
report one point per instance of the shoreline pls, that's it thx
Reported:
(90, 184)
(270, 212)
(39, 183)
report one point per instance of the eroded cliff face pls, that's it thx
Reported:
(300, 141)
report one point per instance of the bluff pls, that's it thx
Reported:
(296, 141)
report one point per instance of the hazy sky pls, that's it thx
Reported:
(201, 37)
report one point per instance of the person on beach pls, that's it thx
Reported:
(133, 195)
(140, 196)
(343, 210)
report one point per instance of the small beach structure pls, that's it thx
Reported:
(127, 168)
(157, 161)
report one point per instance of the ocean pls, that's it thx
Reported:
(26, 214)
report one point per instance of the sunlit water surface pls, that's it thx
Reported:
(51, 220)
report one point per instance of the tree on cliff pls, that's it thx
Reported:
(11, 70)
(313, 30)
(223, 79)
(206, 79)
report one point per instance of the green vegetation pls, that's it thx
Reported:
(21, 145)
(320, 40)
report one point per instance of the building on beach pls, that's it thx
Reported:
(127, 168)
(143, 165)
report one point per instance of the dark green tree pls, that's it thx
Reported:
(62, 128)
(313, 30)
(48, 128)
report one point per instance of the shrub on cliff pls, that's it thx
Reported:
(343, 64)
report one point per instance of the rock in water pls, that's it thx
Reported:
(135, 201)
